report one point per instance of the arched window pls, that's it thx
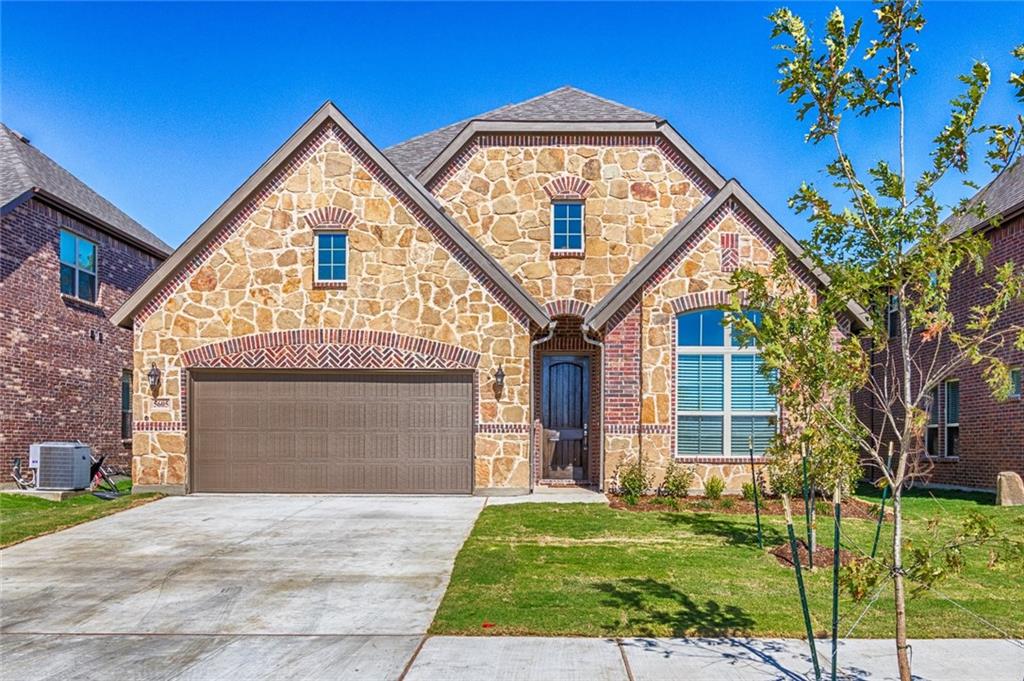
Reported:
(723, 402)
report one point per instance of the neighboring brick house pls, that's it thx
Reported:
(422, 319)
(68, 259)
(971, 436)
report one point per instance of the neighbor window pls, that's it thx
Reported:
(126, 404)
(723, 402)
(931, 434)
(567, 227)
(892, 317)
(952, 418)
(77, 267)
(331, 256)
(1015, 383)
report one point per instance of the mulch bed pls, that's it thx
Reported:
(852, 508)
(822, 555)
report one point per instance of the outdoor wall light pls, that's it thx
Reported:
(499, 378)
(154, 379)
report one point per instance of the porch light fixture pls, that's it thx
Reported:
(154, 379)
(499, 378)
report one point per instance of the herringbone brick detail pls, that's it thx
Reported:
(730, 242)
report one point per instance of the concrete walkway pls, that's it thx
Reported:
(448, 658)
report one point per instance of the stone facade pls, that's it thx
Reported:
(641, 420)
(62, 360)
(404, 281)
(634, 192)
(248, 298)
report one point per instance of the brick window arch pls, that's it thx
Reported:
(568, 188)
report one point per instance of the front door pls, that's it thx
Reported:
(565, 410)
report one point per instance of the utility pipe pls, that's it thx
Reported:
(587, 330)
(533, 391)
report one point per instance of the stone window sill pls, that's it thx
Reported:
(567, 254)
(81, 302)
(720, 459)
(331, 285)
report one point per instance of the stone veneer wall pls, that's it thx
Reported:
(255, 283)
(635, 190)
(694, 277)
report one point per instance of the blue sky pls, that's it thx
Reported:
(166, 108)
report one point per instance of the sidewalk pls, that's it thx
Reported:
(455, 658)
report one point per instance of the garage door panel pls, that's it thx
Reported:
(332, 432)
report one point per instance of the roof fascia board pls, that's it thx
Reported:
(602, 312)
(617, 297)
(498, 126)
(426, 201)
(162, 274)
(328, 111)
(90, 219)
(16, 201)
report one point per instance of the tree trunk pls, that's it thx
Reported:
(902, 659)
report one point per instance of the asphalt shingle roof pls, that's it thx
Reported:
(24, 168)
(1003, 196)
(566, 104)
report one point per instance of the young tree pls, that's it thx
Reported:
(884, 248)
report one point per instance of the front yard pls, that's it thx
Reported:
(589, 570)
(24, 517)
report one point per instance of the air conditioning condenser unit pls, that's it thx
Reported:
(60, 465)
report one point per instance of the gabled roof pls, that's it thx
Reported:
(676, 238)
(329, 112)
(566, 104)
(25, 171)
(1003, 198)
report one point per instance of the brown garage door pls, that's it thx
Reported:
(331, 432)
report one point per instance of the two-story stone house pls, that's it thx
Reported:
(68, 259)
(425, 318)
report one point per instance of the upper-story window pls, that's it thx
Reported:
(724, 404)
(77, 267)
(953, 418)
(1015, 383)
(567, 227)
(331, 257)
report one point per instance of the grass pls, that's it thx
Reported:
(589, 570)
(23, 517)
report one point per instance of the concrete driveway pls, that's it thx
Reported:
(246, 586)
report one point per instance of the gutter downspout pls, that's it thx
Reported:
(533, 392)
(599, 344)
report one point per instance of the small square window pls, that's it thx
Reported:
(331, 257)
(567, 227)
(77, 267)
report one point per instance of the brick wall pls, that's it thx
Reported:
(62, 359)
(991, 431)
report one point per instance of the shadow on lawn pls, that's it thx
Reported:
(656, 608)
(733, 531)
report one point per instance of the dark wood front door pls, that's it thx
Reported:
(565, 409)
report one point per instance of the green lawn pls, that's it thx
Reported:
(575, 569)
(23, 517)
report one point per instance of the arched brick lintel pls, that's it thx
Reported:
(703, 299)
(330, 349)
(330, 216)
(561, 308)
(568, 187)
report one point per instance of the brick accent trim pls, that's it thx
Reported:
(330, 216)
(329, 131)
(566, 307)
(157, 426)
(729, 243)
(331, 349)
(701, 300)
(568, 187)
(484, 140)
(503, 428)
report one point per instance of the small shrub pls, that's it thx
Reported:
(748, 491)
(667, 501)
(633, 480)
(726, 504)
(713, 488)
(676, 484)
(705, 505)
